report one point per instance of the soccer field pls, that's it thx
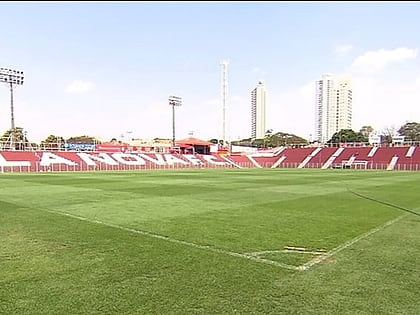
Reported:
(206, 241)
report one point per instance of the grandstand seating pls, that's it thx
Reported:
(240, 160)
(294, 156)
(405, 156)
(321, 157)
(386, 158)
(382, 158)
(265, 161)
(353, 156)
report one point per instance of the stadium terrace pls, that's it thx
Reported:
(384, 158)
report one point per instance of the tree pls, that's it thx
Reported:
(286, 139)
(17, 134)
(366, 131)
(15, 138)
(411, 131)
(82, 139)
(258, 143)
(272, 140)
(243, 142)
(268, 138)
(389, 133)
(347, 135)
(53, 142)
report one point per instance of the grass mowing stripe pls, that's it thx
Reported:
(338, 249)
(55, 264)
(173, 240)
(384, 203)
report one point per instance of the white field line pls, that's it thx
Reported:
(338, 249)
(173, 240)
(285, 251)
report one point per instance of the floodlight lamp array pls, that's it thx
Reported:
(11, 76)
(175, 100)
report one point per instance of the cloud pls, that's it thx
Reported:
(79, 86)
(342, 50)
(374, 61)
(383, 102)
(256, 69)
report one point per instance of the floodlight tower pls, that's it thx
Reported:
(11, 77)
(224, 96)
(174, 101)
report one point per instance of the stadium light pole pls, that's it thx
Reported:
(129, 137)
(174, 101)
(11, 77)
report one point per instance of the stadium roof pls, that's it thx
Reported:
(194, 141)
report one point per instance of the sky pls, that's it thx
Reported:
(106, 69)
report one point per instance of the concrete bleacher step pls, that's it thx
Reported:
(278, 151)
(391, 165)
(253, 161)
(230, 161)
(309, 157)
(332, 158)
(410, 151)
(278, 162)
(372, 151)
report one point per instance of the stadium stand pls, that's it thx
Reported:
(239, 160)
(321, 157)
(295, 156)
(384, 158)
(402, 158)
(353, 157)
(332, 158)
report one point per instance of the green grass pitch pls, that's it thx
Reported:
(226, 241)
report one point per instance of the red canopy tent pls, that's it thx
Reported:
(200, 146)
(193, 141)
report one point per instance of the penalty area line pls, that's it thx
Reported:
(176, 241)
(347, 244)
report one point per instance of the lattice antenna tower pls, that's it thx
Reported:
(224, 96)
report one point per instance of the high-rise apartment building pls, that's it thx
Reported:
(258, 114)
(333, 107)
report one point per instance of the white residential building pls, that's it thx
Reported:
(333, 107)
(258, 111)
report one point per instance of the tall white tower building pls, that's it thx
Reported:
(258, 114)
(333, 107)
